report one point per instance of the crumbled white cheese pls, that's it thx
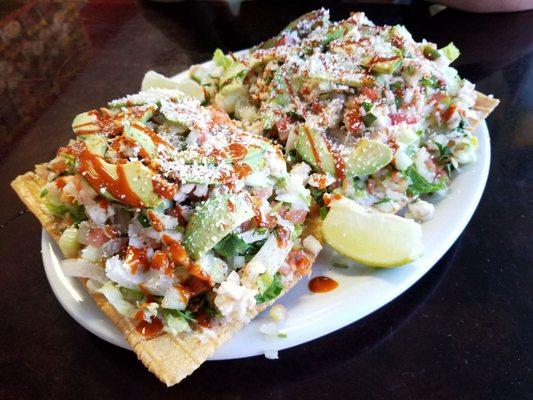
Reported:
(320, 181)
(421, 210)
(234, 300)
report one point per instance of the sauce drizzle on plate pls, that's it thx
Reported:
(322, 284)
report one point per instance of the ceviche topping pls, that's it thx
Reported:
(382, 118)
(173, 212)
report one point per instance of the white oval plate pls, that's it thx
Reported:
(361, 291)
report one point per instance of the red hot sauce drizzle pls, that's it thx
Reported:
(312, 143)
(104, 121)
(150, 329)
(322, 284)
(137, 258)
(93, 170)
(237, 151)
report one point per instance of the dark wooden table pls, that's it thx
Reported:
(462, 332)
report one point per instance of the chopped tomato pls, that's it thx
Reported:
(400, 117)
(299, 261)
(161, 262)
(449, 112)
(353, 122)
(97, 237)
(372, 94)
(294, 216)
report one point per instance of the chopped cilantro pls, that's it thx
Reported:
(292, 156)
(323, 211)
(368, 119)
(186, 315)
(419, 185)
(431, 82)
(231, 245)
(143, 219)
(430, 53)
(383, 200)
(297, 231)
(366, 106)
(396, 85)
(273, 290)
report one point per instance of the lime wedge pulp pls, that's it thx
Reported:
(373, 239)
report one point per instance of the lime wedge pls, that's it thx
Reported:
(377, 240)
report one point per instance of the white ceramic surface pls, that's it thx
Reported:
(361, 290)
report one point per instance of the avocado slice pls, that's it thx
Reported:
(312, 146)
(139, 178)
(129, 183)
(96, 144)
(91, 121)
(386, 67)
(234, 73)
(139, 113)
(134, 132)
(213, 219)
(367, 157)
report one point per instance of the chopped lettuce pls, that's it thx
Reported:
(419, 185)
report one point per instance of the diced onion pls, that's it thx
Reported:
(80, 268)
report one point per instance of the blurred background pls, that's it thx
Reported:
(44, 44)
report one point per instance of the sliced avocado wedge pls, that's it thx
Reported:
(134, 131)
(93, 121)
(129, 183)
(213, 219)
(96, 144)
(234, 73)
(140, 178)
(154, 80)
(367, 157)
(386, 67)
(312, 146)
